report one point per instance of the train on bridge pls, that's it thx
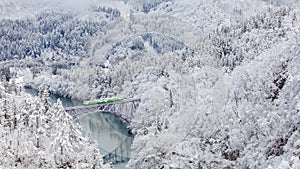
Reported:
(101, 101)
(123, 108)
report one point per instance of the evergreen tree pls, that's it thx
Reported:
(31, 140)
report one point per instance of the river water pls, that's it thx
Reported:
(107, 130)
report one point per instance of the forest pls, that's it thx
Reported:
(219, 81)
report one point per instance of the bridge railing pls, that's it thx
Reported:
(97, 105)
(123, 109)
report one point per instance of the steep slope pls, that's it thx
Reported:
(218, 80)
(252, 108)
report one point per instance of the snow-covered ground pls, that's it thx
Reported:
(219, 80)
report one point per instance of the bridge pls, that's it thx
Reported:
(123, 109)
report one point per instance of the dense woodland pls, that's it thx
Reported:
(219, 81)
(35, 134)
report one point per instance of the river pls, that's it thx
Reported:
(105, 129)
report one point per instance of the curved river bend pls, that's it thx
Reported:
(105, 129)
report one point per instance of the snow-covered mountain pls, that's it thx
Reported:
(219, 80)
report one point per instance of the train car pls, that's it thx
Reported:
(100, 101)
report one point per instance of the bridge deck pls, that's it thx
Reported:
(124, 109)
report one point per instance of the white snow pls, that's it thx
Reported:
(219, 80)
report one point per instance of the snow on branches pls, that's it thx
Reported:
(35, 134)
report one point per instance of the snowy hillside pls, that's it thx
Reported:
(21, 8)
(219, 80)
(206, 15)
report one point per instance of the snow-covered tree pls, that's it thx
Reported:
(218, 81)
(34, 137)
